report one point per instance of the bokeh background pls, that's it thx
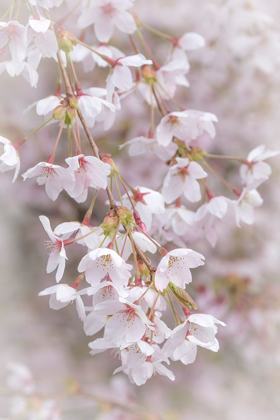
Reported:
(237, 77)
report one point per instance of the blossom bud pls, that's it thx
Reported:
(109, 225)
(182, 296)
(59, 112)
(125, 216)
(66, 40)
(109, 160)
(143, 269)
(149, 75)
(71, 113)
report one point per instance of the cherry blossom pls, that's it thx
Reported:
(197, 330)
(257, 169)
(88, 171)
(141, 362)
(127, 323)
(107, 14)
(217, 206)
(57, 254)
(175, 268)
(182, 180)
(143, 145)
(120, 76)
(92, 106)
(186, 126)
(102, 262)
(190, 41)
(246, 203)
(54, 177)
(9, 157)
(14, 34)
(63, 294)
(43, 38)
(172, 75)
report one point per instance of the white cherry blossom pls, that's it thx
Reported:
(175, 267)
(92, 105)
(14, 35)
(43, 37)
(190, 41)
(57, 254)
(145, 145)
(54, 177)
(182, 180)
(92, 241)
(105, 15)
(127, 323)
(172, 75)
(257, 168)
(88, 58)
(88, 171)
(217, 206)
(9, 157)
(186, 126)
(120, 76)
(62, 295)
(103, 262)
(246, 203)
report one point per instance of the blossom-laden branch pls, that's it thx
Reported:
(128, 300)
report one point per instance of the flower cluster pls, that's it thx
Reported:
(127, 280)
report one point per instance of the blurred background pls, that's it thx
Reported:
(237, 77)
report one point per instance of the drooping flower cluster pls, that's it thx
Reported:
(127, 279)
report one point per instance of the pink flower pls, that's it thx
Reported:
(190, 41)
(186, 126)
(127, 323)
(175, 268)
(121, 76)
(57, 254)
(14, 34)
(103, 262)
(88, 171)
(43, 38)
(54, 177)
(182, 179)
(105, 15)
(63, 294)
(257, 169)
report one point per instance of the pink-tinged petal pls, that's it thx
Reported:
(211, 237)
(122, 78)
(172, 188)
(65, 293)
(40, 26)
(261, 170)
(256, 153)
(80, 308)
(125, 22)
(104, 28)
(135, 329)
(201, 212)
(94, 322)
(47, 44)
(55, 304)
(162, 370)
(60, 269)
(136, 60)
(49, 290)
(196, 171)
(53, 261)
(46, 105)
(109, 307)
(192, 189)
(66, 228)
(53, 186)
(218, 206)
(47, 226)
(161, 281)
(191, 41)
(88, 17)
